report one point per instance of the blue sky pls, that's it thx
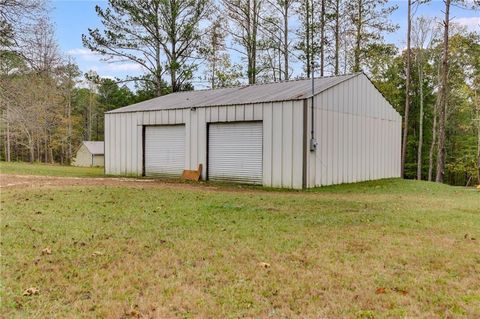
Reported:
(74, 17)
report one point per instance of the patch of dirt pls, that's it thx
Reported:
(23, 181)
(8, 181)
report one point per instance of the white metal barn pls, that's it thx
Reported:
(261, 134)
(90, 153)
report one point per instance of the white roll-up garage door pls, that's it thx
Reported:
(235, 152)
(164, 150)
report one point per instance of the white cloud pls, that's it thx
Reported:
(123, 67)
(88, 60)
(470, 22)
(84, 54)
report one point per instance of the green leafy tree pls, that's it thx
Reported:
(369, 20)
(179, 23)
(131, 33)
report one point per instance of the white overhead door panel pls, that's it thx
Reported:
(164, 150)
(235, 152)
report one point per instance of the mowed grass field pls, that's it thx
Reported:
(49, 170)
(383, 249)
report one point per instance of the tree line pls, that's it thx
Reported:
(49, 106)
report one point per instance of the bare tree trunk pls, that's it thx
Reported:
(307, 37)
(358, 38)
(251, 40)
(337, 36)
(434, 131)
(39, 157)
(279, 52)
(7, 148)
(443, 100)
(31, 148)
(478, 153)
(45, 141)
(254, 40)
(432, 146)
(173, 70)
(50, 150)
(407, 90)
(477, 98)
(69, 129)
(286, 5)
(90, 106)
(158, 75)
(420, 128)
(322, 38)
(214, 68)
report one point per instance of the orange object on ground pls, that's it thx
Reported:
(193, 175)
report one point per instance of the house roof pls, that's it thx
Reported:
(249, 94)
(94, 147)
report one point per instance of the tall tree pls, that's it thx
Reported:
(443, 94)
(477, 122)
(369, 19)
(132, 32)
(322, 23)
(40, 49)
(69, 74)
(283, 8)
(16, 20)
(307, 44)
(407, 88)
(212, 48)
(245, 16)
(92, 81)
(424, 35)
(179, 23)
(336, 4)
(219, 70)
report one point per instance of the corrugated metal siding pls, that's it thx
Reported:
(164, 150)
(235, 152)
(358, 135)
(278, 139)
(123, 144)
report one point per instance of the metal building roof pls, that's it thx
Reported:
(258, 93)
(94, 147)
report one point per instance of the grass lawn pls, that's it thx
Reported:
(49, 170)
(384, 249)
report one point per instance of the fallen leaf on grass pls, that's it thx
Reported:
(79, 243)
(264, 265)
(31, 291)
(97, 253)
(400, 291)
(46, 251)
(380, 290)
(34, 230)
(133, 313)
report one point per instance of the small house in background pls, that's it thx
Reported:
(90, 153)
